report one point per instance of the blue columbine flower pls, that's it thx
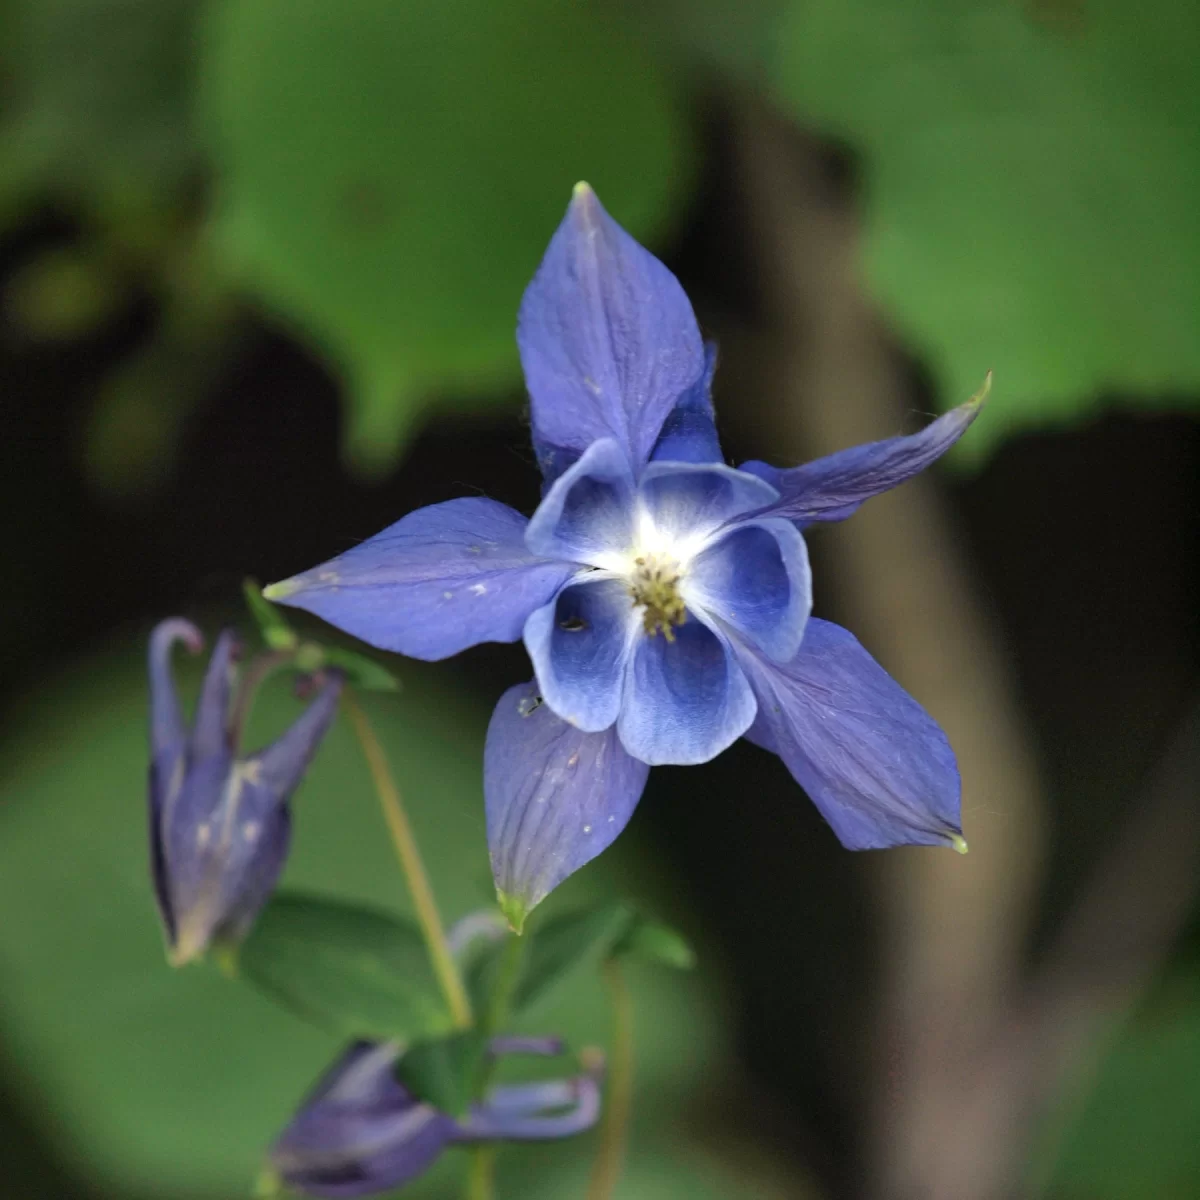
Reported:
(663, 596)
(219, 824)
(362, 1131)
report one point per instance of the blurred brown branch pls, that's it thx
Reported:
(974, 1052)
(953, 927)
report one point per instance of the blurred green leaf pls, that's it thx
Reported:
(347, 968)
(132, 437)
(65, 293)
(655, 942)
(99, 96)
(564, 945)
(1031, 180)
(1137, 1132)
(568, 945)
(391, 174)
(446, 1072)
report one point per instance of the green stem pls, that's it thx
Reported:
(410, 862)
(606, 1170)
(507, 978)
(481, 1174)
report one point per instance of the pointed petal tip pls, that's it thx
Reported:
(959, 843)
(283, 589)
(585, 205)
(515, 911)
(183, 954)
(176, 629)
(976, 401)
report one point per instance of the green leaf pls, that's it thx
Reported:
(397, 218)
(98, 94)
(272, 624)
(445, 1072)
(64, 293)
(566, 946)
(349, 969)
(1135, 1133)
(655, 942)
(1031, 173)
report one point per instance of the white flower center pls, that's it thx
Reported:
(654, 569)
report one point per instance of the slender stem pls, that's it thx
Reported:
(481, 1173)
(410, 862)
(606, 1170)
(507, 978)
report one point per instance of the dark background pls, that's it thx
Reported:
(1081, 544)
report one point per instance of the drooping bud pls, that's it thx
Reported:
(362, 1131)
(219, 824)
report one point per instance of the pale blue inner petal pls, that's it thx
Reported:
(587, 515)
(686, 699)
(579, 645)
(688, 502)
(756, 579)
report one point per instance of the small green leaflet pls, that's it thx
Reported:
(446, 1072)
(308, 656)
(352, 970)
(563, 945)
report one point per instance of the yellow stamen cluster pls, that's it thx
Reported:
(655, 587)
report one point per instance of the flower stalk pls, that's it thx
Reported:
(411, 864)
(614, 1130)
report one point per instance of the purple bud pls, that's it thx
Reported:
(219, 825)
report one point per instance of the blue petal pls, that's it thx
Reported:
(361, 1131)
(756, 579)
(833, 488)
(555, 798)
(587, 515)
(191, 858)
(280, 766)
(227, 830)
(437, 581)
(689, 434)
(534, 1045)
(225, 839)
(685, 700)
(168, 738)
(608, 340)
(210, 729)
(871, 758)
(690, 501)
(520, 1112)
(579, 645)
(256, 858)
(167, 730)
